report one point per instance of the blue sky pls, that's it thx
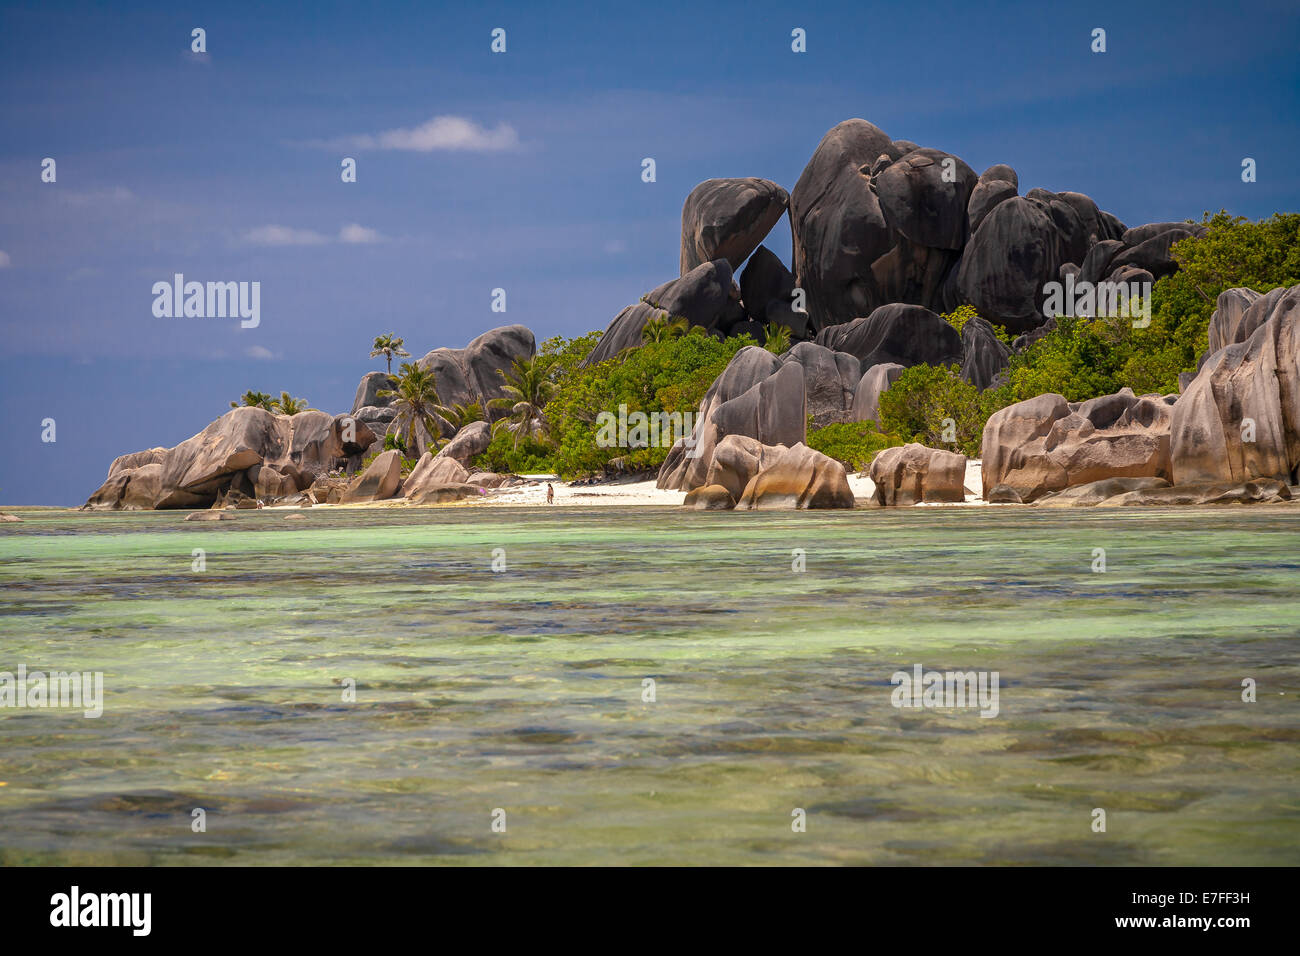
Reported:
(226, 167)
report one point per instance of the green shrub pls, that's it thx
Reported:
(531, 457)
(664, 376)
(933, 406)
(852, 444)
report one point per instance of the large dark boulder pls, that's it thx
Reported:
(1096, 264)
(904, 334)
(986, 195)
(473, 374)
(706, 297)
(1009, 259)
(727, 219)
(624, 332)
(920, 203)
(838, 227)
(830, 380)
(984, 355)
(765, 280)
(1154, 253)
(1072, 242)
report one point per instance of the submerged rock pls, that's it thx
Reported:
(709, 498)
(1260, 491)
(1095, 492)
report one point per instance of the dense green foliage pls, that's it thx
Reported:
(665, 376)
(933, 406)
(555, 404)
(853, 444)
(505, 456)
(669, 373)
(255, 400)
(1087, 357)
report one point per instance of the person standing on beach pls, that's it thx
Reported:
(550, 494)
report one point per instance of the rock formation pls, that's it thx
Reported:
(914, 473)
(1047, 444)
(243, 447)
(1239, 419)
(757, 396)
(727, 219)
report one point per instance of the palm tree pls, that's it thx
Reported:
(776, 338)
(458, 416)
(527, 390)
(388, 346)
(664, 328)
(416, 400)
(255, 400)
(286, 404)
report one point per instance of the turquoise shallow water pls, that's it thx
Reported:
(522, 690)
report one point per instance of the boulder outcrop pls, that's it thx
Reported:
(914, 473)
(1239, 418)
(756, 396)
(706, 296)
(874, 381)
(248, 449)
(797, 478)
(1047, 444)
(727, 219)
(901, 334)
(473, 374)
(379, 481)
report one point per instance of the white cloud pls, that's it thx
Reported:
(354, 232)
(442, 133)
(259, 352)
(283, 236)
(4, 259)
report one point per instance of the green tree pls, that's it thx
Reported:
(416, 400)
(669, 377)
(664, 327)
(776, 338)
(527, 389)
(388, 346)
(255, 400)
(934, 406)
(286, 404)
(852, 444)
(458, 415)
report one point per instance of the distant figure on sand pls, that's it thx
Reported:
(550, 494)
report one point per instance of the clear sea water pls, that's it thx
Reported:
(522, 690)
